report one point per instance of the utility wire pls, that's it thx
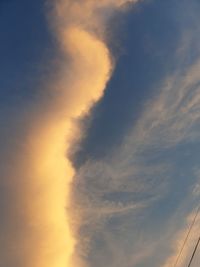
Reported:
(195, 249)
(186, 238)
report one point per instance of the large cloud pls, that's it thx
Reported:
(36, 173)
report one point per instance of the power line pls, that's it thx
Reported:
(195, 249)
(186, 238)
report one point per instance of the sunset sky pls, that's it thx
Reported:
(99, 133)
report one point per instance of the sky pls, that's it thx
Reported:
(99, 133)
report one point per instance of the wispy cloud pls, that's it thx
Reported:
(120, 197)
(186, 250)
(107, 217)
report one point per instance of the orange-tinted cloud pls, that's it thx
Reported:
(37, 231)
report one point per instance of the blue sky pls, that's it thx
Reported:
(149, 37)
(134, 150)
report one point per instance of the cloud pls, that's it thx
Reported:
(135, 197)
(190, 244)
(45, 221)
(154, 169)
(36, 172)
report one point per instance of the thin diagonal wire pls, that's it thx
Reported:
(187, 236)
(195, 249)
